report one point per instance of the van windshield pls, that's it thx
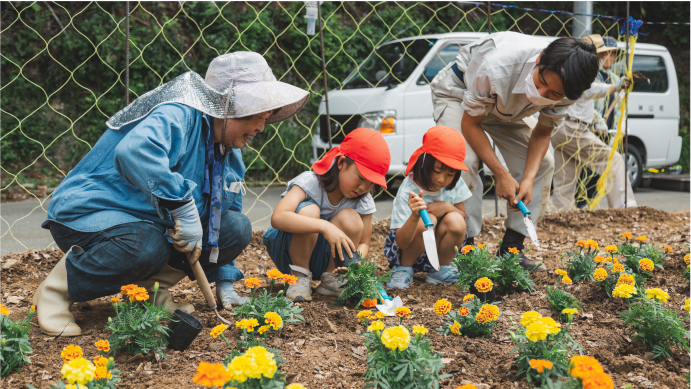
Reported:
(390, 64)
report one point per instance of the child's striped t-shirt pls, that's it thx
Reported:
(401, 211)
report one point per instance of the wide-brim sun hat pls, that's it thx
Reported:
(602, 44)
(236, 85)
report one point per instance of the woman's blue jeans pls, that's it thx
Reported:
(132, 252)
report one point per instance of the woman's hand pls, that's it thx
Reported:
(338, 241)
(416, 203)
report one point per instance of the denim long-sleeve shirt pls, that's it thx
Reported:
(126, 173)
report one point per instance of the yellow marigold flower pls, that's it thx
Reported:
(263, 360)
(581, 243)
(669, 249)
(289, 279)
(115, 299)
(600, 274)
(241, 367)
(396, 338)
(419, 330)
(611, 249)
(466, 249)
(455, 328)
(627, 279)
(218, 330)
(138, 294)
(618, 268)
(263, 329)
(598, 381)
(599, 259)
(624, 290)
(362, 315)
(71, 352)
(646, 265)
(529, 317)
(560, 272)
(103, 345)
(569, 311)
(552, 326)
(469, 297)
(274, 274)
(78, 371)
(591, 244)
(687, 258)
(125, 290)
(464, 311)
(247, 324)
(481, 246)
(540, 365)
(369, 303)
(582, 366)
(378, 315)
(566, 280)
(274, 320)
(402, 312)
(513, 250)
(295, 386)
(657, 294)
(627, 235)
(102, 372)
(687, 306)
(100, 361)
(489, 313)
(4, 310)
(483, 285)
(376, 326)
(211, 374)
(641, 238)
(536, 331)
(442, 307)
(252, 283)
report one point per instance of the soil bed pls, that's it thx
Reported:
(327, 350)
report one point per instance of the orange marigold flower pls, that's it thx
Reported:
(442, 307)
(211, 374)
(669, 249)
(402, 312)
(455, 328)
(100, 361)
(513, 250)
(252, 283)
(646, 265)
(488, 312)
(128, 288)
(467, 386)
(611, 248)
(468, 297)
(362, 315)
(687, 258)
(115, 299)
(139, 294)
(481, 246)
(466, 249)
(582, 366)
(289, 279)
(581, 243)
(598, 381)
(626, 279)
(484, 285)
(566, 280)
(600, 274)
(599, 259)
(641, 238)
(71, 352)
(369, 303)
(627, 235)
(560, 272)
(274, 274)
(103, 345)
(4, 310)
(618, 268)
(463, 311)
(101, 373)
(591, 244)
(540, 365)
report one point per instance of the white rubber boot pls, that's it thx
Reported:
(302, 290)
(53, 302)
(166, 278)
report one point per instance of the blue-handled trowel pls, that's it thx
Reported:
(529, 224)
(428, 239)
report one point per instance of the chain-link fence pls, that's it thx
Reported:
(64, 73)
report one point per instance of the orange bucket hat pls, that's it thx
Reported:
(443, 143)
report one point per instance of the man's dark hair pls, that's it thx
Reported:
(329, 180)
(574, 61)
(424, 168)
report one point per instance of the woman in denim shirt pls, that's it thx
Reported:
(163, 181)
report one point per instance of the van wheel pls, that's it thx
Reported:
(634, 166)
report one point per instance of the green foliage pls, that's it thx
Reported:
(512, 277)
(14, 343)
(139, 327)
(263, 302)
(581, 264)
(417, 366)
(656, 326)
(362, 283)
(476, 263)
(634, 253)
(470, 327)
(560, 299)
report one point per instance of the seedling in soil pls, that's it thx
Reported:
(474, 319)
(474, 263)
(512, 277)
(582, 264)
(362, 283)
(560, 299)
(14, 341)
(263, 302)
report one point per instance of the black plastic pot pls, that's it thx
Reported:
(183, 330)
(348, 261)
(488, 297)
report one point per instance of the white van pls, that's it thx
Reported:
(394, 97)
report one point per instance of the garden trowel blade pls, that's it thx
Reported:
(431, 247)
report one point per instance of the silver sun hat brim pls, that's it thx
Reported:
(190, 89)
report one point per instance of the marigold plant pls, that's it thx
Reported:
(595, 379)
(103, 346)
(474, 264)
(455, 328)
(600, 274)
(71, 352)
(82, 373)
(263, 301)
(657, 294)
(466, 249)
(211, 375)
(540, 365)
(560, 299)
(362, 283)
(646, 265)
(442, 307)
(624, 291)
(660, 328)
(369, 303)
(402, 312)
(484, 285)
(473, 319)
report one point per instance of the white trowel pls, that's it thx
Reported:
(529, 224)
(428, 238)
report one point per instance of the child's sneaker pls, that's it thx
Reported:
(302, 290)
(330, 285)
(446, 275)
(401, 277)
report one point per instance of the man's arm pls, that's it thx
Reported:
(538, 144)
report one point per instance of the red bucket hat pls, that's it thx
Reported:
(369, 151)
(443, 143)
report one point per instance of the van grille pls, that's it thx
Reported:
(341, 125)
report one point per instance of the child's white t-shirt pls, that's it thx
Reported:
(401, 211)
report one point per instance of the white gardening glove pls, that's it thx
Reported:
(188, 232)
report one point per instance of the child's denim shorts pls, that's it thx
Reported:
(393, 254)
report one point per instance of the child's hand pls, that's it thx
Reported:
(439, 208)
(416, 203)
(340, 270)
(338, 241)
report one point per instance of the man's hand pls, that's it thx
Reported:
(525, 193)
(507, 187)
(188, 232)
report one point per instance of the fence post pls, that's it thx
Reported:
(326, 88)
(626, 119)
(127, 55)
